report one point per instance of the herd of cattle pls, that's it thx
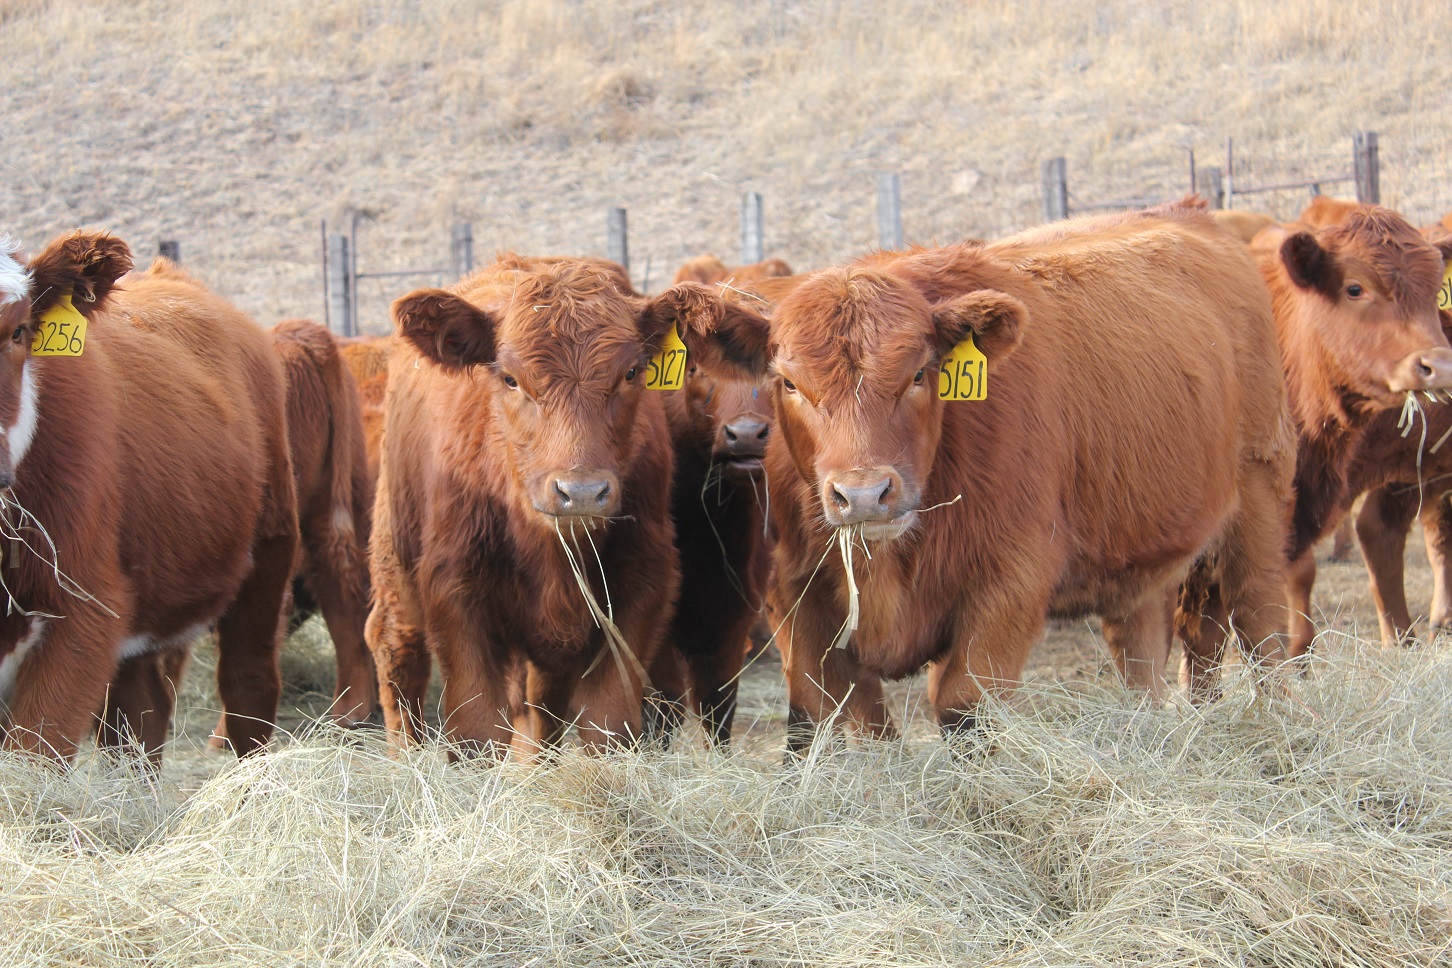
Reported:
(580, 500)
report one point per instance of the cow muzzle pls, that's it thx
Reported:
(1423, 370)
(580, 494)
(742, 444)
(872, 497)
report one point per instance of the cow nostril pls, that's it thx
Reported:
(839, 499)
(886, 490)
(761, 434)
(564, 494)
(602, 498)
(730, 435)
(1424, 369)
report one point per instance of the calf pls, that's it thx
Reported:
(1133, 422)
(522, 524)
(707, 270)
(148, 494)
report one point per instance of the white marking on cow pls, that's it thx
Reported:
(14, 277)
(134, 645)
(10, 665)
(342, 520)
(19, 435)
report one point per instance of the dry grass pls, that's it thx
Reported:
(236, 127)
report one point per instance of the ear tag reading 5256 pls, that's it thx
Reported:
(62, 331)
(667, 369)
(1444, 295)
(963, 374)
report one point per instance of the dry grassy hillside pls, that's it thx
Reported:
(235, 127)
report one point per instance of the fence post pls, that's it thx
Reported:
(1210, 183)
(753, 239)
(1367, 168)
(889, 210)
(169, 249)
(340, 285)
(461, 249)
(1056, 189)
(617, 244)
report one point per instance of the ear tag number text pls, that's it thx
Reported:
(1444, 295)
(667, 369)
(62, 331)
(963, 374)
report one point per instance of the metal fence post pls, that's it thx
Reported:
(618, 244)
(461, 249)
(753, 238)
(1056, 189)
(1210, 184)
(889, 210)
(1367, 167)
(340, 285)
(169, 249)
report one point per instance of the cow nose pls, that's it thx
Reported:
(1425, 370)
(584, 495)
(860, 496)
(745, 437)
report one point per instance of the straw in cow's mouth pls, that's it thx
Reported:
(604, 618)
(14, 530)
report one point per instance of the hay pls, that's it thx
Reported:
(1095, 830)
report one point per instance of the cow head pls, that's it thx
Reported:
(1357, 310)
(82, 265)
(853, 354)
(730, 419)
(561, 359)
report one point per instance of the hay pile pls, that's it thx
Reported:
(1317, 831)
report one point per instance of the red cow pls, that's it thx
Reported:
(1134, 422)
(156, 464)
(1356, 314)
(522, 525)
(708, 270)
(367, 359)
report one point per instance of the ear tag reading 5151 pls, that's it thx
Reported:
(1444, 295)
(667, 369)
(62, 331)
(963, 374)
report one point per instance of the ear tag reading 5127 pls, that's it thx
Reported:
(1444, 295)
(963, 374)
(667, 369)
(62, 331)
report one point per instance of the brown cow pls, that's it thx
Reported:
(1134, 422)
(156, 463)
(522, 525)
(708, 270)
(334, 503)
(1241, 224)
(367, 359)
(1356, 313)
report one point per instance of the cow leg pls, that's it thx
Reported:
(1139, 641)
(140, 703)
(479, 699)
(342, 597)
(1300, 579)
(987, 658)
(401, 657)
(821, 679)
(62, 681)
(249, 635)
(547, 714)
(665, 709)
(607, 705)
(1341, 543)
(1437, 530)
(1204, 637)
(713, 685)
(1386, 516)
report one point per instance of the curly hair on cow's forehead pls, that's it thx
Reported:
(1408, 266)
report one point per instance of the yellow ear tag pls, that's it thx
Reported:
(667, 369)
(1444, 295)
(62, 331)
(963, 374)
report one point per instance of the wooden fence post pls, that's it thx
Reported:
(1056, 189)
(461, 249)
(889, 210)
(169, 249)
(753, 239)
(617, 244)
(340, 285)
(1367, 167)
(1210, 184)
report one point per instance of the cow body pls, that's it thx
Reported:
(1134, 423)
(367, 360)
(518, 428)
(709, 270)
(157, 462)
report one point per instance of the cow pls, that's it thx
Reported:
(148, 494)
(1356, 316)
(522, 528)
(1134, 423)
(708, 270)
(367, 360)
(1241, 224)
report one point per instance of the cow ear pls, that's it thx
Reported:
(724, 339)
(995, 319)
(447, 329)
(84, 264)
(1309, 265)
(1444, 246)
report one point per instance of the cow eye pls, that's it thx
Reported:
(18, 334)
(918, 378)
(1354, 291)
(789, 385)
(630, 375)
(691, 371)
(511, 382)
